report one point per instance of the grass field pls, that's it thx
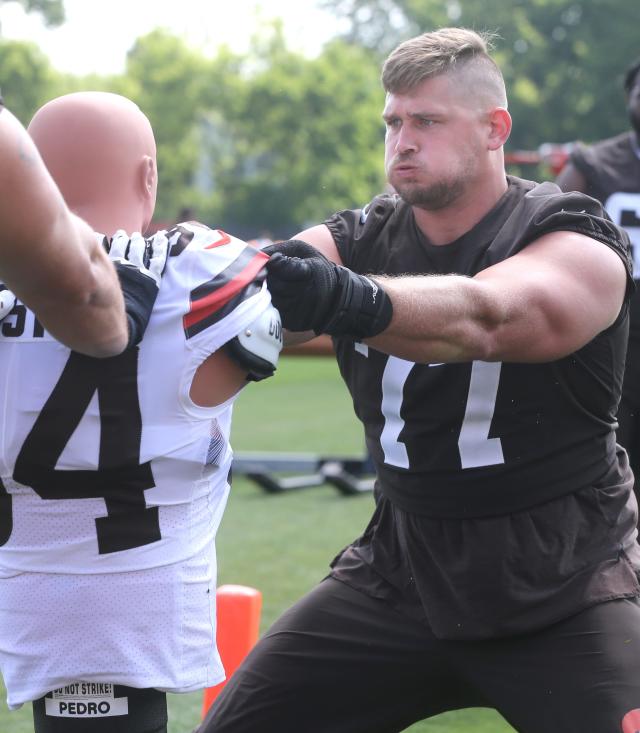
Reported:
(282, 544)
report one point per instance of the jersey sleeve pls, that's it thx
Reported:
(220, 281)
(350, 226)
(545, 209)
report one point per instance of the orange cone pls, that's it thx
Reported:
(238, 626)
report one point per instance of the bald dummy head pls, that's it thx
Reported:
(100, 150)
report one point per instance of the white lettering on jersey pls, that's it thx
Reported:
(20, 324)
(475, 446)
(393, 380)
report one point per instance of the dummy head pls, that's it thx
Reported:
(99, 148)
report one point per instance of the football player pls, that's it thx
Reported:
(480, 324)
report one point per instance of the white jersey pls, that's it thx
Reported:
(113, 483)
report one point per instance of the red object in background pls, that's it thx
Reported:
(555, 155)
(238, 626)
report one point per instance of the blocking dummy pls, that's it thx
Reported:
(117, 471)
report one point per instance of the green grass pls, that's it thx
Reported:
(282, 544)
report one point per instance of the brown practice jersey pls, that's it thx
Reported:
(503, 504)
(480, 438)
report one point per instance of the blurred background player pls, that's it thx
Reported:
(53, 262)
(114, 474)
(609, 171)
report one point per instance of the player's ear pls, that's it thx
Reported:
(499, 127)
(148, 185)
(148, 177)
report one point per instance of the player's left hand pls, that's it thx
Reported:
(313, 293)
(7, 301)
(148, 256)
(139, 263)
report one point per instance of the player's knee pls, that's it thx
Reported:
(90, 707)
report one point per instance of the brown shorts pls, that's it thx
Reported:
(499, 576)
(344, 662)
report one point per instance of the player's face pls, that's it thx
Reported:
(433, 143)
(633, 104)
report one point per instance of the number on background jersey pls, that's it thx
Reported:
(624, 209)
(119, 479)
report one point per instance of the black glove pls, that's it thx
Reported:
(139, 264)
(313, 293)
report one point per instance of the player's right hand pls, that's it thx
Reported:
(303, 285)
(313, 293)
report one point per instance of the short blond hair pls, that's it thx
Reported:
(445, 51)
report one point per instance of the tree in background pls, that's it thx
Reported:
(261, 142)
(563, 60)
(168, 79)
(52, 11)
(267, 141)
(27, 78)
(303, 136)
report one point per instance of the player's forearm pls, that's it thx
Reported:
(446, 318)
(63, 275)
(87, 311)
(49, 258)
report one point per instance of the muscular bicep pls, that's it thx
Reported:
(45, 252)
(553, 297)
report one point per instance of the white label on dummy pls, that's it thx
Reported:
(85, 700)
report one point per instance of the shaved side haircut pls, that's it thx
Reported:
(459, 52)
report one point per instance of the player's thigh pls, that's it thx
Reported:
(338, 661)
(85, 708)
(582, 674)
